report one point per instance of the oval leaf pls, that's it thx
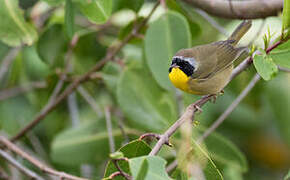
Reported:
(134, 5)
(90, 140)
(14, 31)
(52, 45)
(163, 39)
(148, 168)
(281, 54)
(133, 149)
(97, 11)
(265, 66)
(144, 103)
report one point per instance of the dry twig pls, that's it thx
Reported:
(12, 147)
(19, 166)
(253, 9)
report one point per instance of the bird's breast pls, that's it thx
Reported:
(179, 79)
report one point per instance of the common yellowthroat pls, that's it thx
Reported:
(206, 69)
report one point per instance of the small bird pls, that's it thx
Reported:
(206, 69)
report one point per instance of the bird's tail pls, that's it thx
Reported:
(240, 31)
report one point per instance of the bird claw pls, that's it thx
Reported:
(156, 136)
(197, 108)
(213, 98)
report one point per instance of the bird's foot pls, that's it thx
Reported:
(199, 110)
(154, 135)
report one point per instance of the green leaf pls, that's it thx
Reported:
(265, 66)
(134, 5)
(224, 151)
(86, 139)
(10, 121)
(232, 173)
(133, 149)
(287, 177)
(148, 168)
(97, 11)
(52, 45)
(163, 39)
(69, 18)
(286, 15)
(145, 104)
(14, 31)
(281, 54)
(35, 68)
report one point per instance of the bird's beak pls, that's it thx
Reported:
(174, 66)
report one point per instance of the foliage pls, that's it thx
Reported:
(72, 36)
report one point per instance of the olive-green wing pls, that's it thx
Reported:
(224, 56)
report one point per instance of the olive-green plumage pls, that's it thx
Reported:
(212, 64)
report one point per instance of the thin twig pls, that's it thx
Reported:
(53, 98)
(214, 24)
(171, 166)
(3, 174)
(254, 9)
(109, 56)
(125, 175)
(11, 92)
(12, 147)
(90, 100)
(187, 115)
(230, 109)
(37, 146)
(120, 121)
(7, 61)
(284, 69)
(19, 166)
(109, 129)
(73, 109)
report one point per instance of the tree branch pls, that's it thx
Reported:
(109, 56)
(187, 115)
(35, 162)
(16, 164)
(109, 129)
(248, 9)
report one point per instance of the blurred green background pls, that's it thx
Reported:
(253, 143)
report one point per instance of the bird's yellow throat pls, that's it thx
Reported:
(179, 79)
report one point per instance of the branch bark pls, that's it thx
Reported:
(187, 115)
(249, 9)
(20, 167)
(12, 147)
